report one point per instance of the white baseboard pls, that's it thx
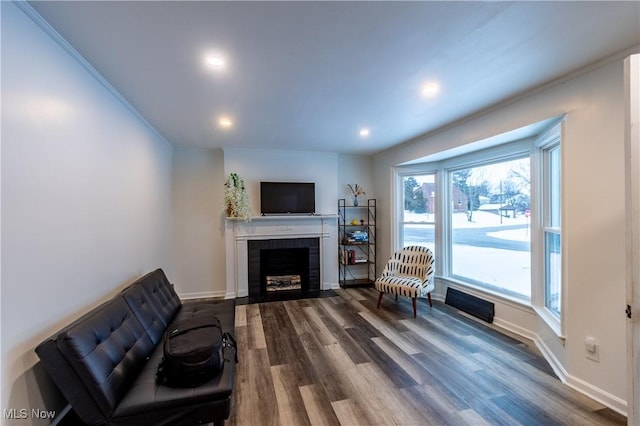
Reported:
(437, 296)
(514, 329)
(616, 404)
(203, 295)
(554, 362)
(608, 400)
(611, 401)
(593, 392)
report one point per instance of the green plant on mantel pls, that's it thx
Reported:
(236, 199)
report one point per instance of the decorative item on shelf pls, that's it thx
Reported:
(236, 199)
(361, 222)
(354, 222)
(355, 237)
(356, 191)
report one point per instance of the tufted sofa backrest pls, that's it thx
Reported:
(154, 302)
(106, 349)
(94, 360)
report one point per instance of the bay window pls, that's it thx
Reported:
(493, 219)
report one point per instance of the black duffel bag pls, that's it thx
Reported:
(192, 352)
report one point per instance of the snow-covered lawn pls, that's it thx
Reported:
(508, 269)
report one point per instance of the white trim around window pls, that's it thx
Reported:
(550, 226)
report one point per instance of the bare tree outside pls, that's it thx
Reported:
(490, 237)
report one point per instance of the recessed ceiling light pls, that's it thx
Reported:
(431, 89)
(216, 62)
(225, 122)
(364, 132)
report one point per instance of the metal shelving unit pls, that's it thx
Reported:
(357, 244)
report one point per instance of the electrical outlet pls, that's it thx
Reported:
(592, 349)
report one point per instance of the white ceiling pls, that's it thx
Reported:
(309, 75)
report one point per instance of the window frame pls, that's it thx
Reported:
(545, 144)
(501, 153)
(400, 176)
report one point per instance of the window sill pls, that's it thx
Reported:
(551, 320)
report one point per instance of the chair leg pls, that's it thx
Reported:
(429, 297)
(413, 299)
(380, 299)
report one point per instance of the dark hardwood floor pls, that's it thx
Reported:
(341, 361)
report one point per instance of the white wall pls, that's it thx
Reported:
(256, 165)
(632, 144)
(198, 201)
(86, 200)
(593, 232)
(354, 169)
(198, 210)
(330, 172)
(594, 203)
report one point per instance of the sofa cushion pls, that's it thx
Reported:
(145, 395)
(211, 400)
(154, 302)
(107, 349)
(225, 310)
(403, 285)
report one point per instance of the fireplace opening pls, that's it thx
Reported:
(284, 269)
(283, 282)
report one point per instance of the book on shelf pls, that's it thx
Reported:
(349, 257)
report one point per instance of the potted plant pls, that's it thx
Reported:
(236, 199)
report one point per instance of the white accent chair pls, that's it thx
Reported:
(408, 273)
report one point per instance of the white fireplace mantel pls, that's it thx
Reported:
(238, 232)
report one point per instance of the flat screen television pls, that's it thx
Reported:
(287, 198)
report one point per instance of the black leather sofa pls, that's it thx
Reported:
(105, 362)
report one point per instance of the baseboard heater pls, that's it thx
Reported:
(472, 305)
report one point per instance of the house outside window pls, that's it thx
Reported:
(417, 224)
